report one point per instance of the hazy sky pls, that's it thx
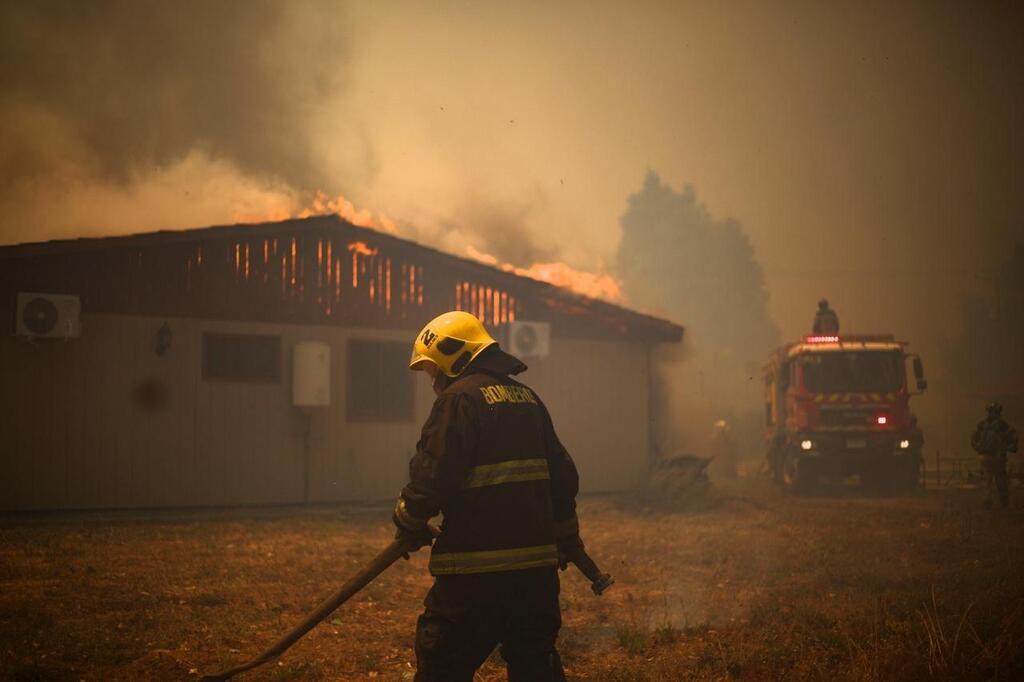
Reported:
(852, 142)
(872, 151)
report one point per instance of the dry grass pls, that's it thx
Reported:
(748, 585)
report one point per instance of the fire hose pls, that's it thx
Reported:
(397, 549)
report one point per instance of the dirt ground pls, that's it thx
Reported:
(744, 583)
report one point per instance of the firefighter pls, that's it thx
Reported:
(723, 451)
(825, 320)
(993, 439)
(489, 460)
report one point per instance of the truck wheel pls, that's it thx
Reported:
(775, 466)
(796, 474)
(877, 479)
(908, 476)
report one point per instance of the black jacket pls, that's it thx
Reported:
(489, 460)
(994, 437)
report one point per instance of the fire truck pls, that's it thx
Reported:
(839, 406)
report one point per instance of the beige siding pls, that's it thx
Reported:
(597, 392)
(74, 434)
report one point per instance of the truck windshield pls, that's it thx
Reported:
(854, 372)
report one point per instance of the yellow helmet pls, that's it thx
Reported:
(450, 341)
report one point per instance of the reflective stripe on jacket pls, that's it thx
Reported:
(489, 460)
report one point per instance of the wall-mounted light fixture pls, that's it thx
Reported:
(164, 336)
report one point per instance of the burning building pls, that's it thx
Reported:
(266, 364)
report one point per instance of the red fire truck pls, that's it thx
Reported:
(838, 406)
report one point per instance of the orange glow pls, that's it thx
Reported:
(247, 259)
(594, 285)
(321, 204)
(362, 248)
(491, 304)
(324, 204)
(295, 252)
(591, 284)
(380, 279)
(387, 285)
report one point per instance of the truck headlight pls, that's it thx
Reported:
(806, 445)
(904, 444)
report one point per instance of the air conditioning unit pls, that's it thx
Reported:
(53, 316)
(529, 339)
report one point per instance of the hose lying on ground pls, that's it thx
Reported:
(388, 556)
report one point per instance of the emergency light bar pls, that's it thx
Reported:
(848, 338)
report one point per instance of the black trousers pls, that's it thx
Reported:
(466, 616)
(995, 470)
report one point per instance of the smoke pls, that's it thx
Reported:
(679, 260)
(985, 360)
(486, 223)
(110, 98)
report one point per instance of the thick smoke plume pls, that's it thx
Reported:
(985, 359)
(107, 95)
(678, 260)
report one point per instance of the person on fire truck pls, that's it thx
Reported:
(489, 460)
(825, 320)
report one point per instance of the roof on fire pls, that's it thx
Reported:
(319, 270)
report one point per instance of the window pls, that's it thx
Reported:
(380, 385)
(853, 371)
(237, 357)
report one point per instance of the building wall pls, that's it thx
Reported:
(102, 421)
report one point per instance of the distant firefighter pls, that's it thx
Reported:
(723, 450)
(993, 439)
(825, 320)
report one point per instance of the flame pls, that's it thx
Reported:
(362, 248)
(592, 284)
(323, 204)
(599, 285)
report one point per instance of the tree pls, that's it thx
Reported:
(676, 259)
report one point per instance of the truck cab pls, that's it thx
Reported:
(837, 406)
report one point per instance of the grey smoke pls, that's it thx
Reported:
(125, 87)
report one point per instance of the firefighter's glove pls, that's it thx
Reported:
(569, 548)
(413, 531)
